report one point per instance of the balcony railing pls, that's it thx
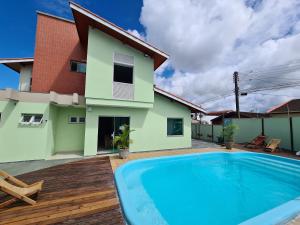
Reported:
(123, 91)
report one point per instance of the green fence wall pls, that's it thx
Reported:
(279, 128)
(247, 129)
(206, 132)
(296, 133)
(287, 129)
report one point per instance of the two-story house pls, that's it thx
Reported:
(86, 79)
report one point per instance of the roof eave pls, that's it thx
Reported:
(16, 63)
(115, 31)
(191, 106)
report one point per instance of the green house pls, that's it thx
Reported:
(86, 79)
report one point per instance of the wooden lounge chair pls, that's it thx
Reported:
(272, 145)
(256, 142)
(18, 189)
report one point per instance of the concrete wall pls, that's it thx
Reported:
(279, 128)
(296, 133)
(247, 129)
(99, 75)
(150, 126)
(206, 132)
(33, 142)
(23, 142)
(25, 78)
(69, 137)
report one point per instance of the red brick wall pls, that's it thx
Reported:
(56, 44)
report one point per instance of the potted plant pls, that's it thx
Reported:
(228, 134)
(122, 141)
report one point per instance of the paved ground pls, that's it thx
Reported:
(17, 168)
(116, 161)
(203, 144)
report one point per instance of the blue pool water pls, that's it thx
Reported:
(212, 189)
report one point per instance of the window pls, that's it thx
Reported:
(175, 126)
(123, 74)
(81, 119)
(79, 67)
(76, 119)
(35, 119)
(73, 119)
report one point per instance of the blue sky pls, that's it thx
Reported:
(18, 25)
(207, 42)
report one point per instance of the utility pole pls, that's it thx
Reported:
(237, 93)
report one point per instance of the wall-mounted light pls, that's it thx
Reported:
(89, 109)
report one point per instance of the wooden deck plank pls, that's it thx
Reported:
(81, 191)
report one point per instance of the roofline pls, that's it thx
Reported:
(278, 106)
(55, 17)
(15, 60)
(179, 99)
(116, 28)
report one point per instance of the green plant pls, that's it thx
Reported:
(122, 140)
(228, 132)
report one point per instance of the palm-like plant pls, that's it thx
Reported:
(122, 140)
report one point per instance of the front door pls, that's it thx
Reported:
(108, 128)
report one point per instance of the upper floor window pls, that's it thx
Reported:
(79, 67)
(123, 74)
(123, 68)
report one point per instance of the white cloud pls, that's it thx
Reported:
(136, 34)
(209, 40)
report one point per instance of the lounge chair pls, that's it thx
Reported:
(18, 189)
(256, 142)
(272, 145)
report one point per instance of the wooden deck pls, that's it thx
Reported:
(80, 192)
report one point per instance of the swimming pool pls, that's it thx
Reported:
(210, 188)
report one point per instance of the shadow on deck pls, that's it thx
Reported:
(80, 192)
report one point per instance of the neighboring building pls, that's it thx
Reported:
(86, 79)
(289, 108)
(230, 114)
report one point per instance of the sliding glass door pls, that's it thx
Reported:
(108, 128)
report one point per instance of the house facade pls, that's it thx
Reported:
(87, 78)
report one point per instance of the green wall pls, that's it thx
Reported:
(279, 128)
(69, 137)
(247, 129)
(29, 142)
(296, 133)
(150, 126)
(99, 73)
(19, 142)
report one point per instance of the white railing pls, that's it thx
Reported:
(123, 91)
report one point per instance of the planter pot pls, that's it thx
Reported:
(229, 144)
(123, 153)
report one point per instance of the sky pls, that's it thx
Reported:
(206, 40)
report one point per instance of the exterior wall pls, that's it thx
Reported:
(150, 126)
(279, 128)
(19, 142)
(69, 137)
(247, 129)
(296, 133)
(99, 80)
(25, 78)
(57, 43)
(282, 115)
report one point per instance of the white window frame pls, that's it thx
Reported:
(77, 119)
(32, 118)
(80, 117)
